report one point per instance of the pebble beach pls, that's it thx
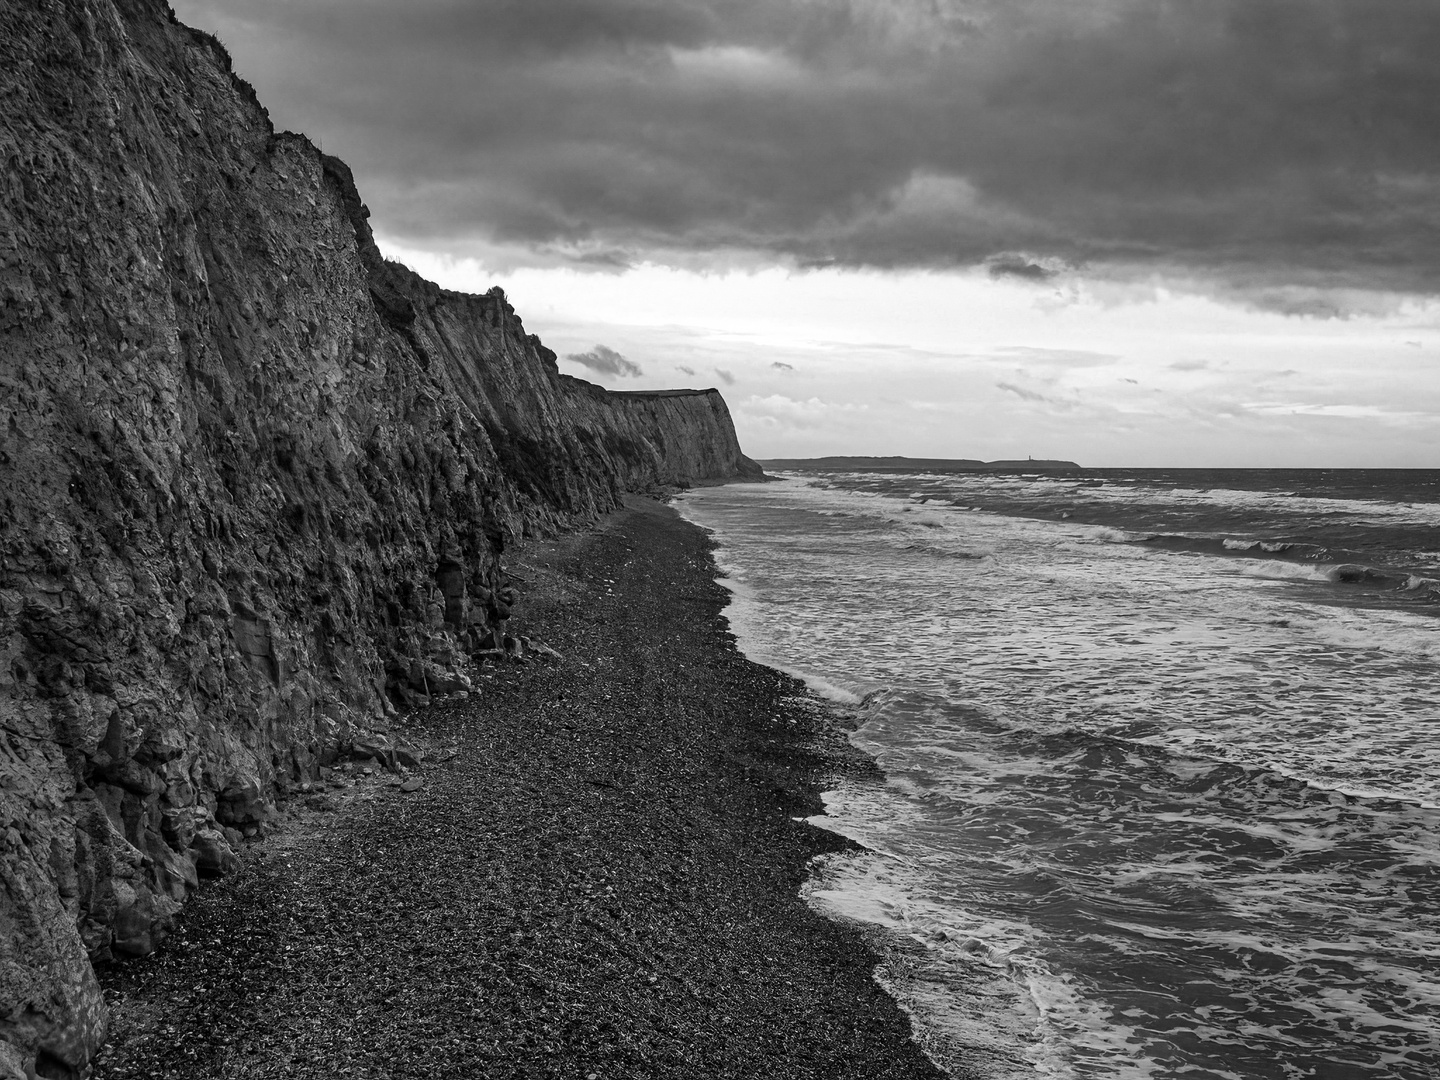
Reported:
(597, 875)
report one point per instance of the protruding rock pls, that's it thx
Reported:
(540, 648)
(243, 803)
(374, 747)
(213, 854)
(134, 924)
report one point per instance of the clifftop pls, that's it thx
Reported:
(257, 486)
(664, 393)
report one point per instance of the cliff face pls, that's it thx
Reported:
(256, 485)
(679, 436)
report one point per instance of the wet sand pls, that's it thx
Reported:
(600, 880)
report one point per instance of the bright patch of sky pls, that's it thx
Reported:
(960, 364)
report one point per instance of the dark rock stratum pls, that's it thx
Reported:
(255, 483)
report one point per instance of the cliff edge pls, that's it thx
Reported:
(257, 484)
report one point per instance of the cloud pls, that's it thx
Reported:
(1063, 358)
(1054, 403)
(686, 370)
(1011, 264)
(1190, 365)
(1341, 411)
(1024, 394)
(607, 362)
(780, 365)
(604, 260)
(726, 377)
(779, 411)
(1254, 148)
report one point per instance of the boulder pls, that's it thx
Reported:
(213, 853)
(374, 747)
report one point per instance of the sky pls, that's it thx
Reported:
(1120, 232)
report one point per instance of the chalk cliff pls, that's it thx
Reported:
(255, 483)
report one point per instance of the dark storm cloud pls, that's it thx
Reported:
(607, 362)
(1260, 141)
(1009, 264)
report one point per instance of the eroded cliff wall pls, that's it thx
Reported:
(255, 484)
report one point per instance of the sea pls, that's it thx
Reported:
(1161, 755)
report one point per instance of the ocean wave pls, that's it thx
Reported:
(1109, 534)
(1234, 547)
(944, 552)
(1328, 573)
(1285, 571)
(1357, 573)
(1268, 546)
(1144, 753)
(983, 1002)
(825, 689)
(1409, 640)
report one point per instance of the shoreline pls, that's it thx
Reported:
(604, 879)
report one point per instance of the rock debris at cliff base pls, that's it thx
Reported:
(602, 881)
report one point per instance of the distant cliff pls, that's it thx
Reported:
(255, 483)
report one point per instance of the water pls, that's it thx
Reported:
(1162, 748)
